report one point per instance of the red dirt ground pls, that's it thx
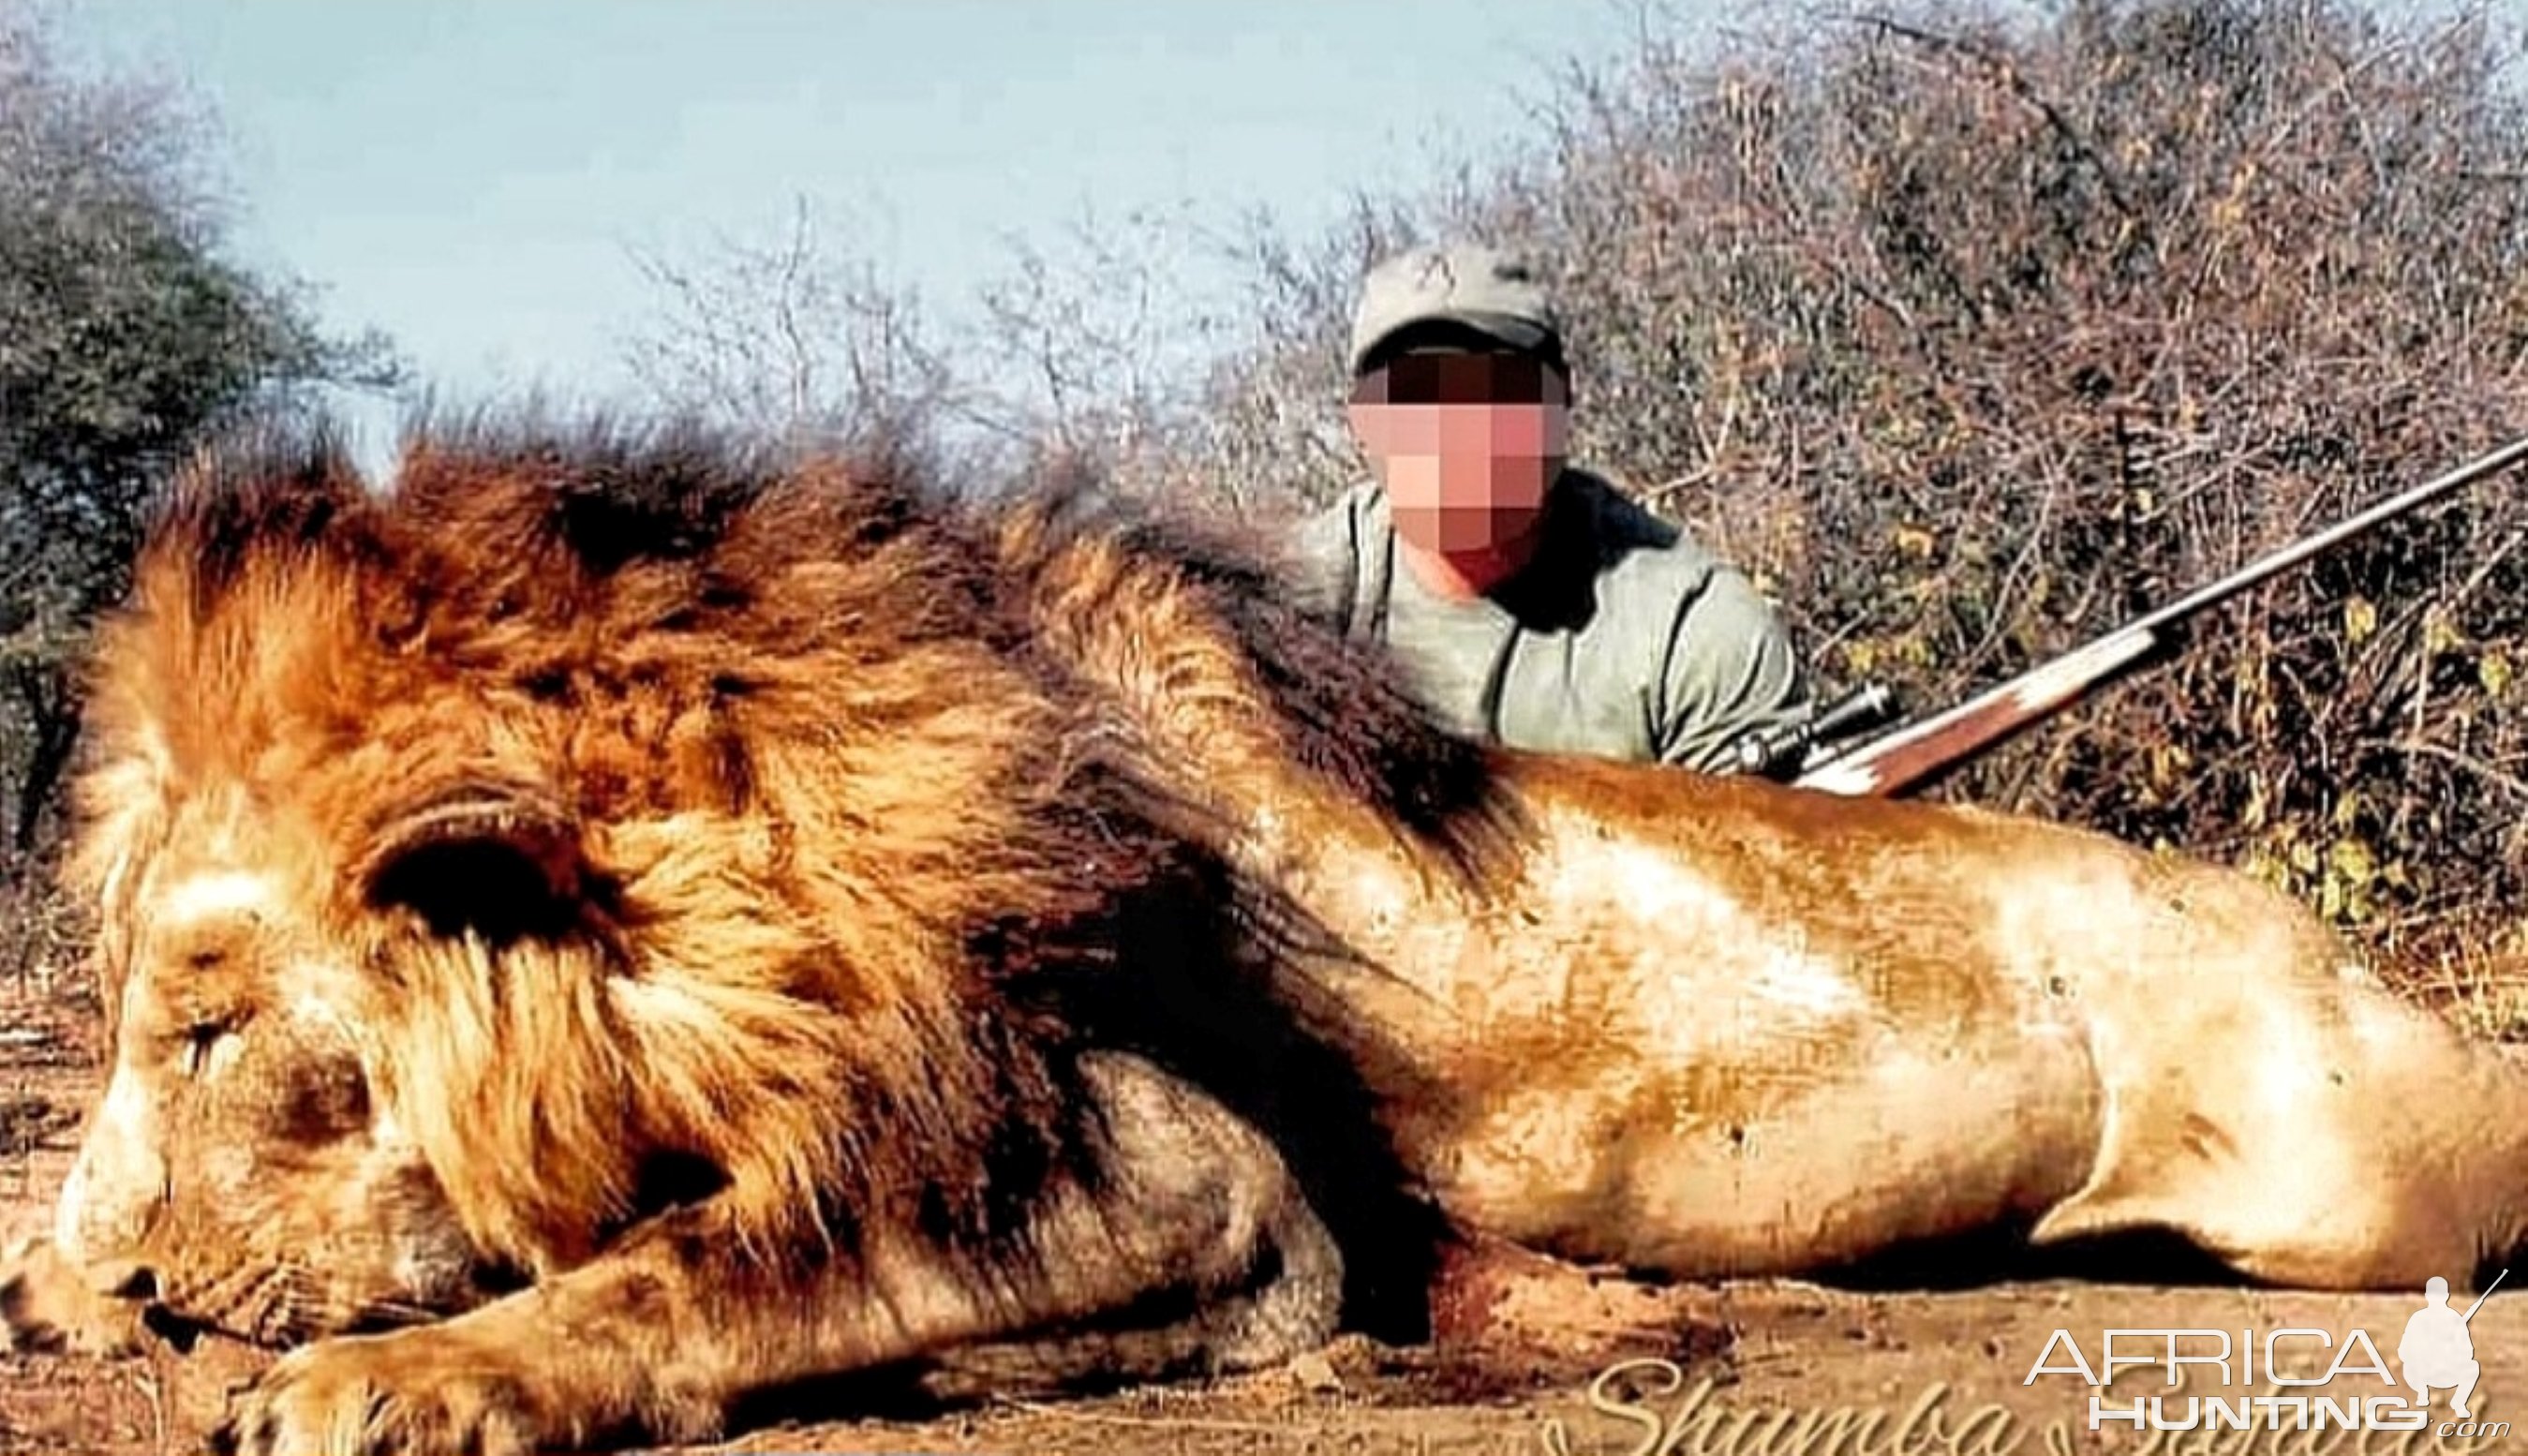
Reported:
(1753, 1361)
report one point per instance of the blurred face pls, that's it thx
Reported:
(1465, 446)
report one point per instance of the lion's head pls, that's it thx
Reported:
(589, 826)
(238, 1169)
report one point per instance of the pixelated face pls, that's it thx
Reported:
(1464, 443)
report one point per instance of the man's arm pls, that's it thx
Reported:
(1729, 668)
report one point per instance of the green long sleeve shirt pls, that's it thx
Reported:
(1622, 637)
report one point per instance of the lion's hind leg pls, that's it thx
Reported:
(2329, 1136)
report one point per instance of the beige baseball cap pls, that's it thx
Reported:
(1486, 289)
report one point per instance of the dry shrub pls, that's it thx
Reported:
(1979, 334)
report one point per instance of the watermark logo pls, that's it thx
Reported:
(2297, 1368)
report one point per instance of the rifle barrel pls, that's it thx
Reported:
(2481, 1298)
(2309, 545)
(1895, 760)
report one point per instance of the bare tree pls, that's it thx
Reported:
(798, 339)
(1094, 348)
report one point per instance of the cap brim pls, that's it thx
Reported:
(1523, 334)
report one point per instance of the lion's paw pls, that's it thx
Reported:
(48, 1306)
(409, 1393)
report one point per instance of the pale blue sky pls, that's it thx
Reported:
(468, 174)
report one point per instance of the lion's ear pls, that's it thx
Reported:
(499, 865)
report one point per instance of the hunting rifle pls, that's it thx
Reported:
(1911, 755)
(2481, 1298)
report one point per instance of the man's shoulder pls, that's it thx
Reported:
(1642, 555)
(1677, 616)
(1659, 578)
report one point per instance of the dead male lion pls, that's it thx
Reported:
(654, 928)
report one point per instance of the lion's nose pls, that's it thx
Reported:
(117, 1183)
(123, 1279)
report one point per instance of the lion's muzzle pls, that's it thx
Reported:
(116, 1189)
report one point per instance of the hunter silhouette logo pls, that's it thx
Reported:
(2287, 1380)
(2436, 1351)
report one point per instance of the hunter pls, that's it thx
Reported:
(1532, 601)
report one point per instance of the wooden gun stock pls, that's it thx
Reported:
(1913, 753)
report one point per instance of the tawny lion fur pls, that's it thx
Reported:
(615, 928)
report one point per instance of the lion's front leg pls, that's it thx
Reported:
(659, 1338)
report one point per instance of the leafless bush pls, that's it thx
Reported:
(1078, 349)
(1978, 335)
(1976, 332)
(794, 339)
(1087, 344)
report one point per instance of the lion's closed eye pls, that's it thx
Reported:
(197, 1040)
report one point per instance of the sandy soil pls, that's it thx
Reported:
(1742, 1367)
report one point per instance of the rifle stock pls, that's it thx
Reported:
(1911, 755)
(1915, 753)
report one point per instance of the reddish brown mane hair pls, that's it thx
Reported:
(699, 820)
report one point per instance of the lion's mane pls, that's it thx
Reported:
(808, 867)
